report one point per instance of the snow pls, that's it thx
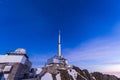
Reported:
(38, 70)
(73, 73)
(58, 77)
(6, 76)
(93, 78)
(12, 59)
(47, 76)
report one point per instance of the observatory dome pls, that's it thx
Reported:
(20, 51)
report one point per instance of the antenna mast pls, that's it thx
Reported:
(59, 45)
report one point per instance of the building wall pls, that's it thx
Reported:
(17, 70)
(12, 59)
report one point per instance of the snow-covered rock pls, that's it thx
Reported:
(73, 73)
(38, 70)
(58, 77)
(76, 74)
(47, 76)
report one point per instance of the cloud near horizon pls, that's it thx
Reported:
(99, 54)
(108, 51)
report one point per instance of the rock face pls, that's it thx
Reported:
(75, 73)
(100, 76)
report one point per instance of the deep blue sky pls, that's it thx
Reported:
(34, 24)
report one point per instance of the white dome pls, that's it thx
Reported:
(20, 51)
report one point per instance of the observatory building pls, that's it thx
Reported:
(14, 65)
(58, 61)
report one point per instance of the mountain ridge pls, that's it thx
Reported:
(75, 73)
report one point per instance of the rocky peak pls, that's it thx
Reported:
(74, 73)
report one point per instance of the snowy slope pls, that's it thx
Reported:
(47, 76)
(73, 73)
(77, 74)
(58, 77)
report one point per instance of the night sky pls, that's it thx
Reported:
(89, 31)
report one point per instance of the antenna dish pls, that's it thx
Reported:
(20, 51)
